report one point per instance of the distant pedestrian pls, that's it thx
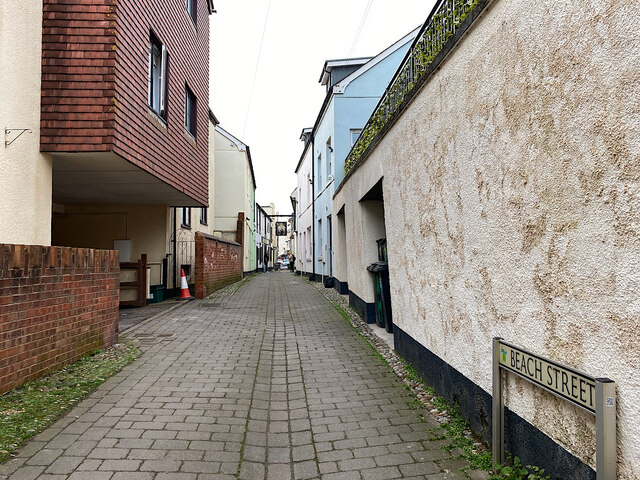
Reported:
(265, 264)
(292, 262)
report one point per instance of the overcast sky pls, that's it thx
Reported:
(284, 66)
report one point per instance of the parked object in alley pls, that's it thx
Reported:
(184, 288)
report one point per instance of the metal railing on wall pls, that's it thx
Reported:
(446, 23)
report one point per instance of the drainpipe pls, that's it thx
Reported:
(175, 248)
(313, 208)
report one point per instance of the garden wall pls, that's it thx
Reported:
(57, 304)
(218, 263)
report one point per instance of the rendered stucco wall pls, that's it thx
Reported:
(25, 181)
(512, 206)
(364, 223)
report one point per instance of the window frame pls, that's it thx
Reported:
(356, 132)
(190, 112)
(157, 82)
(192, 10)
(203, 216)
(329, 161)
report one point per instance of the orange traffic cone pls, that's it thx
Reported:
(184, 288)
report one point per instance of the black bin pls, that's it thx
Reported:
(382, 294)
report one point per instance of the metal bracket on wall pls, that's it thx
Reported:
(8, 131)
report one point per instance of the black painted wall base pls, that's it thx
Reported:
(366, 310)
(521, 438)
(341, 287)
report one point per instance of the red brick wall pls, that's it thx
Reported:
(240, 228)
(95, 70)
(56, 305)
(218, 263)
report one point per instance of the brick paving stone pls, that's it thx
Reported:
(270, 382)
(90, 476)
(381, 473)
(65, 465)
(120, 465)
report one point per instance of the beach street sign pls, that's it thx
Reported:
(595, 395)
(562, 381)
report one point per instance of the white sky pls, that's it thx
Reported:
(299, 36)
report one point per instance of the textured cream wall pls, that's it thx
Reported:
(25, 178)
(512, 188)
(230, 181)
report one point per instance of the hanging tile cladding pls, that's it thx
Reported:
(125, 124)
(78, 75)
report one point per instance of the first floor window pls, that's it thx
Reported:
(355, 133)
(186, 217)
(190, 109)
(192, 9)
(158, 70)
(203, 215)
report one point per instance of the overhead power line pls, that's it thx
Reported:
(362, 22)
(255, 72)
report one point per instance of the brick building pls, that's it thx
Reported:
(112, 96)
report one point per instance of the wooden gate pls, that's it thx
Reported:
(133, 283)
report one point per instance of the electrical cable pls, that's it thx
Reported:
(255, 72)
(364, 19)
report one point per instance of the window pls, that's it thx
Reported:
(329, 155)
(319, 174)
(185, 220)
(192, 10)
(355, 133)
(190, 111)
(203, 215)
(158, 71)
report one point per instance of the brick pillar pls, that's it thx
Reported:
(199, 266)
(240, 229)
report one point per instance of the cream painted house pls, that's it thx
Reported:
(304, 207)
(235, 187)
(190, 220)
(25, 182)
(507, 186)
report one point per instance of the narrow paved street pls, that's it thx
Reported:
(270, 382)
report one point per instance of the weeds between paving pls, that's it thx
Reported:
(453, 428)
(34, 406)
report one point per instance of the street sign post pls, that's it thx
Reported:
(595, 395)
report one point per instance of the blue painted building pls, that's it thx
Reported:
(354, 87)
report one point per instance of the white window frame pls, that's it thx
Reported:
(354, 133)
(329, 160)
(157, 77)
(192, 10)
(190, 112)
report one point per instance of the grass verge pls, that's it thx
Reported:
(34, 406)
